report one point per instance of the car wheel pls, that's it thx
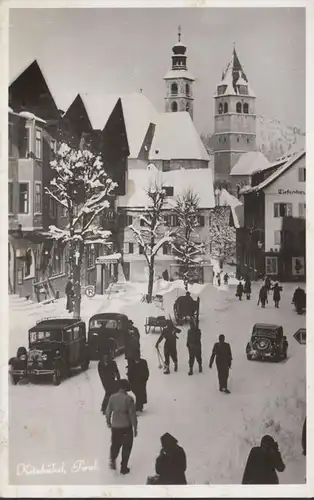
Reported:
(85, 365)
(56, 378)
(15, 379)
(249, 357)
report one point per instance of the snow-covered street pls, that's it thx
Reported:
(63, 425)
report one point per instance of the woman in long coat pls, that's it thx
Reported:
(171, 462)
(138, 375)
(276, 295)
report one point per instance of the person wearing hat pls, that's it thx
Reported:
(263, 462)
(138, 374)
(194, 346)
(170, 347)
(122, 420)
(109, 375)
(132, 342)
(222, 353)
(171, 462)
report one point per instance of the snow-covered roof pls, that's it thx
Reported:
(177, 138)
(179, 73)
(281, 170)
(200, 180)
(250, 162)
(99, 108)
(226, 199)
(31, 116)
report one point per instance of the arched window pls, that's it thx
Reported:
(226, 107)
(187, 107)
(29, 265)
(220, 108)
(187, 89)
(239, 107)
(174, 89)
(174, 106)
(245, 108)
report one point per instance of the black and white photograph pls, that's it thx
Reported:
(156, 171)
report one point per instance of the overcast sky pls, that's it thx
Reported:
(125, 50)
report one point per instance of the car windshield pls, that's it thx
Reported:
(264, 331)
(106, 323)
(44, 336)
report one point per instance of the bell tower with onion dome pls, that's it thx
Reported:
(179, 82)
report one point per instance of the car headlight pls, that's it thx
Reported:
(44, 357)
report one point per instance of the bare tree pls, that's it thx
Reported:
(82, 187)
(222, 235)
(186, 250)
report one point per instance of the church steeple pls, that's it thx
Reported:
(179, 81)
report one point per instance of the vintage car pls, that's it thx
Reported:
(107, 332)
(267, 342)
(56, 346)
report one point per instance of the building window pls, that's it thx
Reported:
(57, 259)
(174, 106)
(23, 197)
(91, 255)
(128, 247)
(128, 220)
(29, 264)
(168, 190)
(38, 144)
(53, 145)
(271, 265)
(220, 108)
(10, 140)
(174, 89)
(10, 197)
(282, 209)
(225, 107)
(166, 249)
(64, 211)
(142, 222)
(201, 220)
(302, 210)
(52, 208)
(239, 107)
(238, 140)
(248, 140)
(24, 143)
(140, 249)
(38, 209)
(301, 174)
(75, 210)
(277, 238)
(187, 89)
(166, 165)
(245, 108)
(171, 220)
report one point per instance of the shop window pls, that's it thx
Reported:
(271, 265)
(174, 89)
(38, 209)
(302, 210)
(29, 265)
(166, 165)
(245, 108)
(239, 107)
(23, 197)
(174, 106)
(10, 197)
(225, 107)
(38, 144)
(301, 174)
(282, 209)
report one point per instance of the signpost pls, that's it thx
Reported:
(300, 336)
(90, 291)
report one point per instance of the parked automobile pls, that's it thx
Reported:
(267, 342)
(107, 332)
(56, 346)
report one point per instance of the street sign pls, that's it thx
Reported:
(90, 291)
(300, 336)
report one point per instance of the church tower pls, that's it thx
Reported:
(235, 119)
(179, 81)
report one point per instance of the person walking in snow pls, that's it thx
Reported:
(171, 462)
(267, 283)
(276, 294)
(194, 346)
(222, 353)
(138, 375)
(132, 342)
(109, 375)
(122, 420)
(239, 290)
(170, 346)
(69, 292)
(263, 462)
(247, 288)
(218, 279)
(226, 278)
(262, 297)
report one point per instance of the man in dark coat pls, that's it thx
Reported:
(263, 462)
(109, 375)
(171, 462)
(69, 292)
(276, 294)
(240, 290)
(194, 346)
(299, 300)
(138, 374)
(170, 346)
(262, 297)
(226, 278)
(132, 342)
(247, 288)
(222, 353)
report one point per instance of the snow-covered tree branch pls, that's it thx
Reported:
(186, 249)
(81, 185)
(222, 235)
